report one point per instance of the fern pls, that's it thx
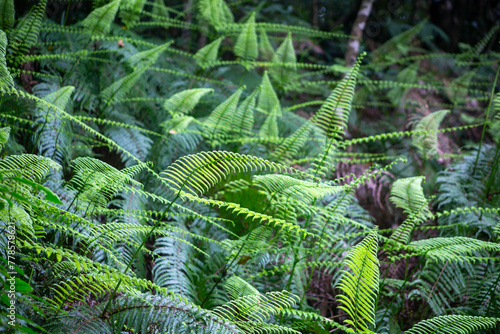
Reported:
(246, 44)
(360, 284)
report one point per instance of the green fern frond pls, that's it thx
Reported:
(197, 173)
(256, 308)
(285, 61)
(246, 44)
(99, 20)
(121, 87)
(426, 141)
(185, 101)
(303, 191)
(360, 284)
(268, 100)
(220, 119)
(26, 33)
(7, 14)
(453, 324)
(269, 129)
(408, 195)
(28, 166)
(159, 9)
(243, 118)
(4, 137)
(130, 11)
(265, 47)
(147, 57)
(216, 12)
(208, 54)
(236, 287)
(453, 248)
(6, 80)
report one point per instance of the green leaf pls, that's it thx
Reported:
(26, 33)
(219, 121)
(99, 20)
(265, 47)
(242, 121)
(208, 53)
(425, 140)
(4, 137)
(216, 12)
(359, 284)
(7, 14)
(119, 89)
(185, 101)
(6, 80)
(246, 45)
(147, 57)
(453, 324)
(268, 100)
(284, 68)
(130, 11)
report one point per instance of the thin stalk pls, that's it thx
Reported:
(486, 120)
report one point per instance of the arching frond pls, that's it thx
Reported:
(195, 174)
(147, 57)
(237, 287)
(359, 284)
(453, 324)
(185, 101)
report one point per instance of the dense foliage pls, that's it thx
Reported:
(213, 167)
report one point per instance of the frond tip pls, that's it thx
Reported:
(360, 283)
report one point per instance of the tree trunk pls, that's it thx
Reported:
(357, 32)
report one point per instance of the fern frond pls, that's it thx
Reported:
(453, 248)
(243, 119)
(246, 44)
(26, 33)
(185, 101)
(268, 100)
(197, 173)
(426, 138)
(99, 21)
(120, 88)
(269, 129)
(256, 308)
(7, 14)
(408, 195)
(130, 11)
(216, 12)
(208, 53)
(220, 119)
(285, 54)
(237, 287)
(6, 80)
(147, 57)
(265, 47)
(453, 324)
(29, 166)
(360, 284)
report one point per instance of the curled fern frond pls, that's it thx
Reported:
(197, 173)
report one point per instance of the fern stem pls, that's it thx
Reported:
(486, 119)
